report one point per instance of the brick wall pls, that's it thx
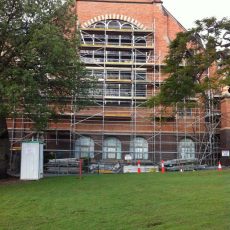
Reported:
(144, 12)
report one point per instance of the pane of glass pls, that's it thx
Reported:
(84, 147)
(141, 75)
(111, 150)
(187, 149)
(111, 155)
(140, 41)
(114, 25)
(126, 26)
(112, 74)
(112, 90)
(99, 25)
(139, 148)
(125, 90)
(99, 74)
(112, 56)
(140, 90)
(99, 39)
(126, 40)
(139, 156)
(125, 75)
(88, 39)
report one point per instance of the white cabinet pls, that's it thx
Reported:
(31, 160)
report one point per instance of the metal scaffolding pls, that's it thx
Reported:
(124, 61)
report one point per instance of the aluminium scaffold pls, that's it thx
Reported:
(127, 67)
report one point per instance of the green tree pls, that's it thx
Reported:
(39, 63)
(193, 53)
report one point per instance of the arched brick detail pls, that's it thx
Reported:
(113, 16)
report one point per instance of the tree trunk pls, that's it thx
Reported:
(4, 148)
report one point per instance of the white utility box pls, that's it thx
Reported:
(31, 160)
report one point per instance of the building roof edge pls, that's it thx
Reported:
(173, 17)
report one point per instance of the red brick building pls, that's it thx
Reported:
(123, 45)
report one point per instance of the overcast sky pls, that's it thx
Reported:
(187, 11)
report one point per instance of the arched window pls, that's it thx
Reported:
(100, 37)
(105, 35)
(139, 148)
(112, 148)
(114, 24)
(140, 41)
(84, 147)
(99, 25)
(126, 26)
(186, 149)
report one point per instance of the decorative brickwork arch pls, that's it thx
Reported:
(114, 17)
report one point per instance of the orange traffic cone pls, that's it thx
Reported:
(219, 166)
(138, 166)
(162, 167)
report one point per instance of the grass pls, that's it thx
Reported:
(191, 200)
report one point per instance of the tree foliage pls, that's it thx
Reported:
(39, 64)
(198, 59)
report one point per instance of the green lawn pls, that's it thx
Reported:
(190, 200)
